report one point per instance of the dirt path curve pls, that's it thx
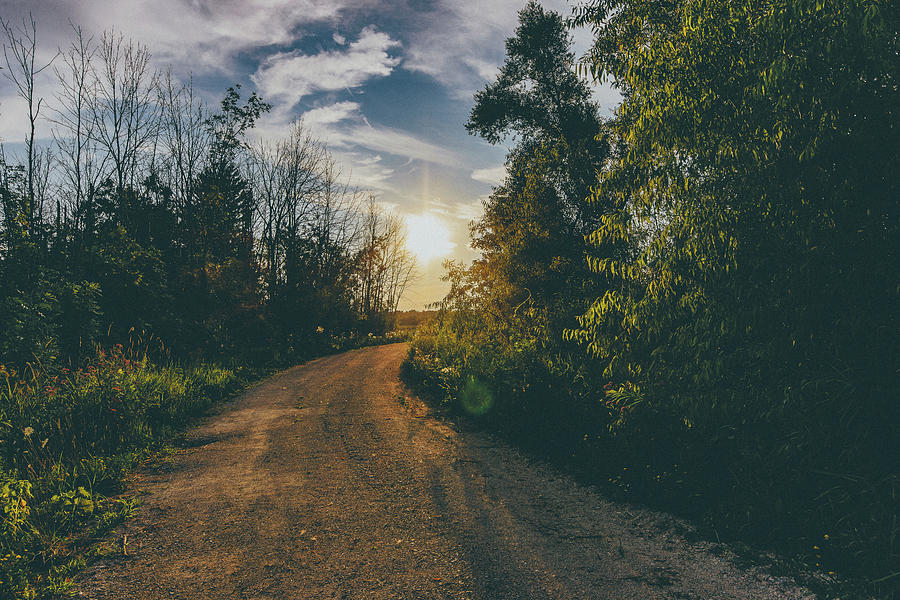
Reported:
(317, 483)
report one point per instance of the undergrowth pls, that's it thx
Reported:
(833, 527)
(67, 440)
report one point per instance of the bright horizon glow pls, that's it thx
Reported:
(428, 237)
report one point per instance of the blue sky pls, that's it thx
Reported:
(387, 84)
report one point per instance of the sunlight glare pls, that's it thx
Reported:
(428, 237)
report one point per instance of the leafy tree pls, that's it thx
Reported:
(531, 235)
(756, 182)
(154, 218)
(220, 277)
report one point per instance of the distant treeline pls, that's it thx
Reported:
(413, 318)
(695, 300)
(150, 213)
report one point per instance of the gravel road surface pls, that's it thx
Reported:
(328, 481)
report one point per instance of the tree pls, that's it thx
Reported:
(73, 132)
(756, 183)
(184, 139)
(532, 233)
(287, 178)
(384, 266)
(19, 53)
(123, 106)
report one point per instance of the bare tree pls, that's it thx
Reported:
(286, 180)
(385, 266)
(336, 229)
(399, 262)
(72, 129)
(41, 182)
(184, 138)
(123, 107)
(19, 51)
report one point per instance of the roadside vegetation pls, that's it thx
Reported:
(153, 260)
(69, 437)
(694, 301)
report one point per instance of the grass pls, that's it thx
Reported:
(67, 440)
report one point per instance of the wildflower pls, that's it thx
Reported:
(28, 431)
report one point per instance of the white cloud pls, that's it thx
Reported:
(331, 114)
(461, 210)
(339, 39)
(208, 31)
(464, 53)
(459, 50)
(289, 76)
(492, 175)
(357, 143)
(365, 170)
(399, 143)
(344, 127)
(191, 35)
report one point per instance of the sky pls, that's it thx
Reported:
(387, 84)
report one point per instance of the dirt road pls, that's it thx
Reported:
(317, 483)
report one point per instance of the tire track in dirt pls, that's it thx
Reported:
(317, 483)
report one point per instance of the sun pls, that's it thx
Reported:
(428, 237)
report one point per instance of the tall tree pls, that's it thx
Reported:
(757, 183)
(19, 54)
(532, 232)
(123, 108)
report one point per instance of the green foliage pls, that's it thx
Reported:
(502, 369)
(531, 234)
(738, 320)
(181, 256)
(68, 439)
(755, 181)
(537, 95)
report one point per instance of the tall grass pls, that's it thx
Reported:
(67, 438)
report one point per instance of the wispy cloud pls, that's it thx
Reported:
(345, 127)
(459, 49)
(359, 144)
(289, 76)
(492, 175)
(332, 114)
(393, 141)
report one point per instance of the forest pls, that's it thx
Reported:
(153, 260)
(690, 303)
(693, 302)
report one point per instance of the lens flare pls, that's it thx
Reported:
(476, 398)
